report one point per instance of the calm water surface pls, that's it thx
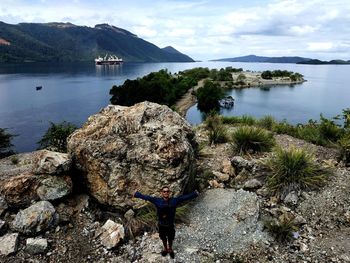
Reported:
(72, 92)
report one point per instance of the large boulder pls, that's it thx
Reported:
(123, 149)
(49, 162)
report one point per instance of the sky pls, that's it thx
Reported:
(208, 29)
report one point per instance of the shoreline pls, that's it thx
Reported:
(253, 80)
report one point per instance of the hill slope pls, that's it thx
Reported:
(254, 58)
(68, 42)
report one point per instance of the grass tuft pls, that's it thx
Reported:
(217, 131)
(294, 169)
(252, 139)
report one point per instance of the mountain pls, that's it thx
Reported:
(68, 42)
(254, 58)
(320, 62)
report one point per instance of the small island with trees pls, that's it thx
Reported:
(205, 86)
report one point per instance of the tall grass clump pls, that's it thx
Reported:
(217, 130)
(266, 122)
(284, 127)
(146, 218)
(252, 139)
(294, 169)
(282, 229)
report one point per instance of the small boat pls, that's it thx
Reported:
(227, 102)
(108, 60)
(39, 87)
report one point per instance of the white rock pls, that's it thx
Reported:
(8, 244)
(111, 234)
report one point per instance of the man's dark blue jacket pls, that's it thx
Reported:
(166, 209)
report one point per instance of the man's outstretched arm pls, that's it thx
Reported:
(145, 197)
(183, 198)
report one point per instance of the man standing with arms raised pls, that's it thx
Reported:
(166, 210)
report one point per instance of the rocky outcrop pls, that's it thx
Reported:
(123, 149)
(39, 175)
(36, 218)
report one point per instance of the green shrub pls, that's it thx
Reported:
(146, 217)
(311, 133)
(231, 120)
(14, 160)
(282, 229)
(267, 122)
(252, 139)
(284, 127)
(344, 143)
(208, 96)
(5, 143)
(329, 130)
(294, 169)
(217, 131)
(248, 120)
(56, 136)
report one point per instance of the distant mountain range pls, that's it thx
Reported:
(294, 60)
(26, 42)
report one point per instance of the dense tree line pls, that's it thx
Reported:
(159, 87)
(267, 74)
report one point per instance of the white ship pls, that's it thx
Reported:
(108, 60)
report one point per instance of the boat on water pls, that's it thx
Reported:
(227, 102)
(108, 60)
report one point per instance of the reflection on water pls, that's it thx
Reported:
(108, 70)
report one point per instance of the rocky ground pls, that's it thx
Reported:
(224, 224)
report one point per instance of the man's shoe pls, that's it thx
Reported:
(164, 253)
(172, 254)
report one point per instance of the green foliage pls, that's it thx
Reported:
(14, 160)
(159, 87)
(244, 120)
(284, 127)
(217, 131)
(208, 96)
(252, 139)
(67, 42)
(281, 74)
(5, 143)
(294, 169)
(146, 217)
(267, 122)
(222, 74)
(344, 143)
(56, 136)
(281, 229)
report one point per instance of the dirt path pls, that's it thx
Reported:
(188, 100)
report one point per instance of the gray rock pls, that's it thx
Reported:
(36, 218)
(8, 244)
(36, 245)
(252, 184)
(123, 149)
(129, 214)
(291, 198)
(53, 163)
(54, 187)
(111, 234)
(3, 205)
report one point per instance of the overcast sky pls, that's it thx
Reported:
(209, 29)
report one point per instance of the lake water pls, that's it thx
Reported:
(73, 92)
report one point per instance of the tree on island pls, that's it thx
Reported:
(208, 96)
